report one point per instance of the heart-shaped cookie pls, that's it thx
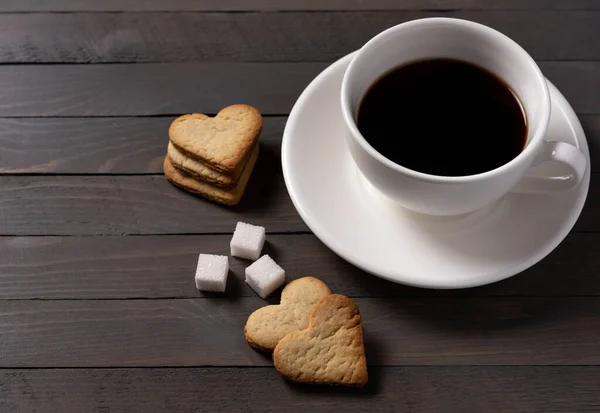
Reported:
(231, 196)
(199, 171)
(330, 350)
(267, 325)
(223, 142)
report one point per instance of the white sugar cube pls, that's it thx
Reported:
(247, 241)
(265, 276)
(211, 273)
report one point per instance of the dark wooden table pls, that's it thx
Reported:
(98, 308)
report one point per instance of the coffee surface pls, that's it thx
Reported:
(443, 117)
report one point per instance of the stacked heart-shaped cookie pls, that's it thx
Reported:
(315, 336)
(214, 157)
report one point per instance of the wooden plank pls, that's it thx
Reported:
(304, 36)
(591, 127)
(589, 220)
(209, 332)
(125, 205)
(581, 98)
(105, 205)
(414, 389)
(126, 145)
(83, 145)
(150, 89)
(287, 5)
(175, 88)
(163, 266)
(101, 145)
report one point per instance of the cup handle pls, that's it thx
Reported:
(564, 153)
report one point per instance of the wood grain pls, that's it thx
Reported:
(400, 389)
(124, 205)
(176, 88)
(163, 266)
(209, 332)
(270, 5)
(101, 145)
(151, 89)
(294, 36)
(127, 145)
(91, 320)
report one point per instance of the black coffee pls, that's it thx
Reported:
(443, 117)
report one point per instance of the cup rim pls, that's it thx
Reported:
(522, 157)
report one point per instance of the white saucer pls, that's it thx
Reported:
(378, 236)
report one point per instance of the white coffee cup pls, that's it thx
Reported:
(482, 46)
